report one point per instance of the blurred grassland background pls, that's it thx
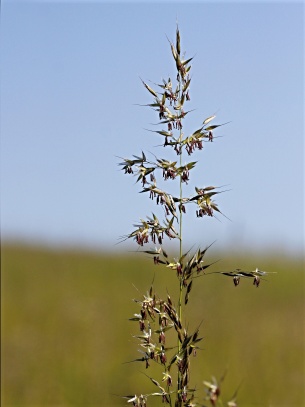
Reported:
(66, 334)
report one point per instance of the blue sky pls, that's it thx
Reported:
(69, 88)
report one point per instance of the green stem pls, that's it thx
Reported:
(180, 248)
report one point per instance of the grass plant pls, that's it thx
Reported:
(166, 338)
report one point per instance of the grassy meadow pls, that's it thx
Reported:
(66, 334)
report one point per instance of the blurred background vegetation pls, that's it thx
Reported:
(66, 334)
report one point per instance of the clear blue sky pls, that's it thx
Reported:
(70, 82)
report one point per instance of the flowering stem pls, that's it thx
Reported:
(163, 314)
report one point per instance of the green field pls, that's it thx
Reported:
(66, 334)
